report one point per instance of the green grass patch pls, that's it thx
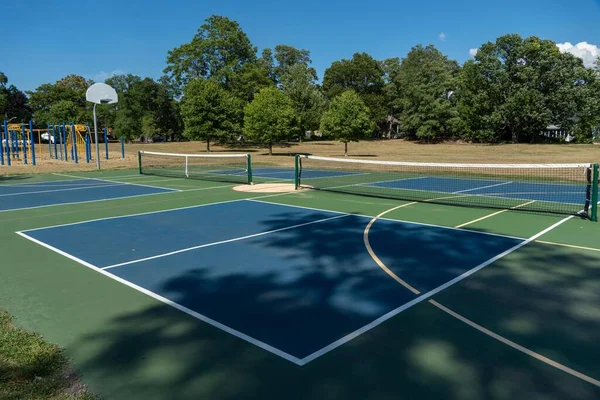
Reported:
(31, 369)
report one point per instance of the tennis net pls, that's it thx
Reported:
(225, 167)
(547, 188)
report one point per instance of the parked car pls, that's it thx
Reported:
(46, 137)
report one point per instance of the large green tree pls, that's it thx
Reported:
(270, 117)
(347, 119)
(426, 80)
(309, 103)
(210, 112)
(145, 103)
(516, 87)
(14, 104)
(69, 92)
(364, 75)
(218, 50)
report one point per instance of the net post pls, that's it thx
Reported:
(140, 161)
(249, 168)
(296, 171)
(594, 213)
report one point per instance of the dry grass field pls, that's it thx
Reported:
(395, 150)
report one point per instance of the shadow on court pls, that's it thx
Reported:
(543, 297)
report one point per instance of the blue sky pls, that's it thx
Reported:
(42, 41)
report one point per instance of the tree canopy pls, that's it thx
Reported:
(210, 112)
(347, 119)
(270, 117)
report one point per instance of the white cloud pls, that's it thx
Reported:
(586, 51)
(443, 37)
(102, 76)
(473, 52)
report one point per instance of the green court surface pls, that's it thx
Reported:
(523, 325)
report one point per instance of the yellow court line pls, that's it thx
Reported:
(374, 256)
(495, 213)
(516, 346)
(480, 328)
(568, 245)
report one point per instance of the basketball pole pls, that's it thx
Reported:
(96, 138)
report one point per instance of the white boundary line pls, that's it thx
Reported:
(159, 211)
(482, 187)
(124, 183)
(57, 183)
(221, 242)
(171, 303)
(390, 219)
(60, 190)
(424, 296)
(516, 346)
(168, 191)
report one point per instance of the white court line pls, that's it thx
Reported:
(167, 191)
(59, 190)
(171, 303)
(572, 246)
(389, 219)
(61, 181)
(482, 187)
(124, 183)
(424, 296)
(222, 242)
(157, 211)
(516, 346)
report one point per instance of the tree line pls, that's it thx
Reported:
(218, 88)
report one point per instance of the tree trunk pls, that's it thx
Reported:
(345, 149)
(515, 136)
(270, 149)
(208, 144)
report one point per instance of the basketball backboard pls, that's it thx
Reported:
(101, 93)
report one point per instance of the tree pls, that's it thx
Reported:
(144, 104)
(248, 81)
(309, 103)
(516, 87)
(428, 79)
(362, 74)
(219, 49)
(347, 119)
(269, 117)
(210, 112)
(72, 89)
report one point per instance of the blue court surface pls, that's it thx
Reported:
(41, 194)
(549, 192)
(295, 281)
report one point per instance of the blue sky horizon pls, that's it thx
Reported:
(99, 39)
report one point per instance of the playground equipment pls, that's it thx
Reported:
(65, 141)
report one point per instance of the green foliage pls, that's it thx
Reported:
(210, 112)
(70, 93)
(347, 119)
(425, 82)
(248, 81)
(288, 56)
(219, 49)
(143, 104)
(362, 74)
(13, 102)
(309, 103)
(33, 369)
(270, 117)
(516, 87)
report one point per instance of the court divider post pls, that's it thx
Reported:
(24, 140)
(5, 125)
(106, 142)
(595, 178)
(296, 171)
(140, 161)
(32, 141)
(249, 167)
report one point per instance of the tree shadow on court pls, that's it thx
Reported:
(542, 297)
